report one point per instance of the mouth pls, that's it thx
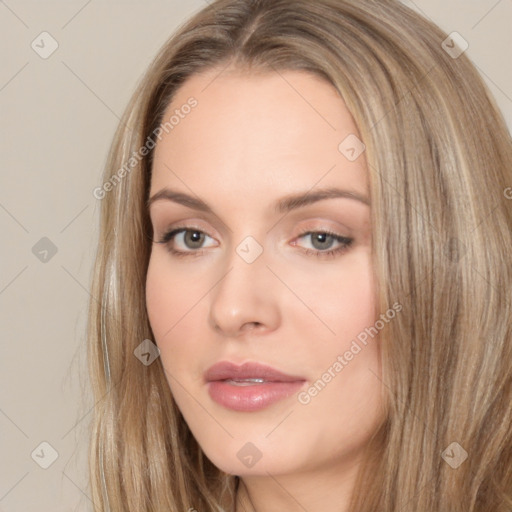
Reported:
(248, 372)
(245, 382)
(249, 387)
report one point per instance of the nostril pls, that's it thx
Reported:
(251, 325)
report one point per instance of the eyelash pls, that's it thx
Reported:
(331, 253)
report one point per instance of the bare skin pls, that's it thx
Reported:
(250, 141)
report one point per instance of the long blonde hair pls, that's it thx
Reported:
(439, 157)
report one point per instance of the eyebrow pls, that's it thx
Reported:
(284, 205)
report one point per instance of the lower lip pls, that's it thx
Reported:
(251, 397)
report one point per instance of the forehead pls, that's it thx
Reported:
(257, 133)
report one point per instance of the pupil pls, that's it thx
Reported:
(194, 237)
(321, 238)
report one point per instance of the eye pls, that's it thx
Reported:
(323, 241)
(189, 241)
(184, 241)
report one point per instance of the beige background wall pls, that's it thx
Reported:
(58, 116)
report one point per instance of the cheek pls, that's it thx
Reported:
(174, 302)
(353, 300)
(344, 400)
(167, 300)
(159, 302)
(170, 294)
(340, 299)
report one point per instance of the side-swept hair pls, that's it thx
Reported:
(439, 157)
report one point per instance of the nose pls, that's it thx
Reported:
(246, 298)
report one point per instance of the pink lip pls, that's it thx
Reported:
(252, 397)
(227, 370)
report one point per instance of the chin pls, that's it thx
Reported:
(243, 457)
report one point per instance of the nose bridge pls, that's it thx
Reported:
(242, 296)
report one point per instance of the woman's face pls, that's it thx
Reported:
(270, 271)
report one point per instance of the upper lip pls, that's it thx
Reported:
(226, 370)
